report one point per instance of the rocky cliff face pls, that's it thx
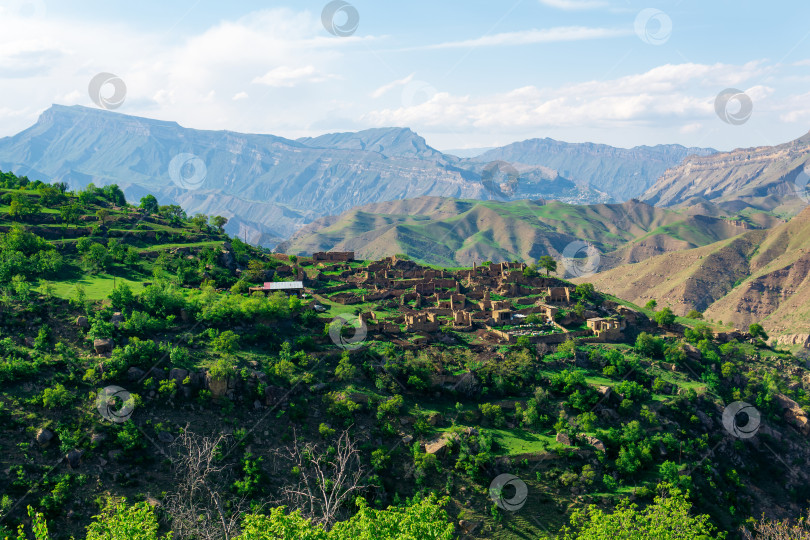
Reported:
(771, 178)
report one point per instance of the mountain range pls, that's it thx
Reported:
(270, 186)
(457, 232)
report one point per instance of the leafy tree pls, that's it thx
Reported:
(97, 258)
(225, 342)
(70, 213)
(119, 521)
(694, 314)
(585, 291)
(113, 194)
(219, 222)
(121, 297)
(757, 331)
(530, 271)
(149, 204)
(668, 518)
(652, 304)
(665, 317)
(21, 207)
(51, 197)
(102, 214)
(547, 263)
(649, 346)
(200, 221)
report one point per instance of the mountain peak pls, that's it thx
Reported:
(388, 141)
(73, 113)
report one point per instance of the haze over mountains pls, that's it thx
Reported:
(270, 186)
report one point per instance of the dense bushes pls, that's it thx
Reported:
(26, 254)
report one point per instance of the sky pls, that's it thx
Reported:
(463, 74)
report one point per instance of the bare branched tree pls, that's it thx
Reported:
(326, 478)
(780, 530)
(197, 506)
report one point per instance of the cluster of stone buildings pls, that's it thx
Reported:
(494, 298)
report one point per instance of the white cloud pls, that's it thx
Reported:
(240, 95)
(285, 76)
(535, 36)
(574, 5)
(384, 89)
(671, 93)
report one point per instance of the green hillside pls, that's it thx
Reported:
(460, 232)
(144, 389)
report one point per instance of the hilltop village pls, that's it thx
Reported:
(496, 303)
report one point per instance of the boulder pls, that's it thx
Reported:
(44, 437)
(103, 346)
(178, 374)
(439, 446)
(593, 441)
(564, 439)
(165, 436)
(793, 413)
(692, 352)
(468, 527)
(117, 318)
(135, 374)
(74, 458)
(82, 322)
(704, 419)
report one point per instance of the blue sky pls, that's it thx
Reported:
(462, 74)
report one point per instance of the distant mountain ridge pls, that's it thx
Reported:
(269, 186)
(455, 232)
(624, 173)
(769, 178)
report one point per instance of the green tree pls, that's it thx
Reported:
(585, 291)
(102, 214)
(547, 263)
(668, 518)
(149, 204)
(665, 317)
(225, 342)
(97, 258)
(70, 213)
(119, 521)
(218, 222)
(757, 331)
(200, 221)
(652, 304)
(21, 207)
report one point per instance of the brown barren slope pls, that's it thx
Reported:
(758, 276)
